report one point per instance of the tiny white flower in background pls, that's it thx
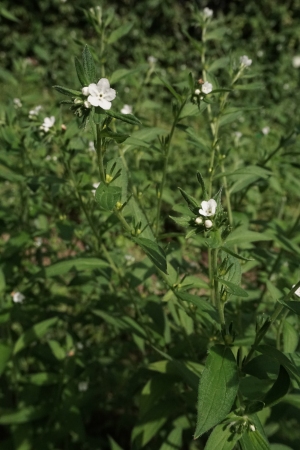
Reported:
(245, 61)
(199, 220)
(38, 241)
(95, 185)
(47, 124)
(197, 92)
(297, 292)
(18, 297)
(79, 345)
(92, 146)
(208, 223)
(34, 112)
(207, 13)
(83, 386)
(265, 130)
(126, 89)
(238, 134)
(127, 109)
(101, 94)
(296, 61)
(17, 103)
(286, 86)
(206, 87)
(260, 53)
(208, 208)
(129, 258)
(252, 427)
(151, 59)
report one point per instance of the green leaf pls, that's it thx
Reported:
(119, 32)
(153, 251)
(218, 388)
(233, 288)
(8, 15)
(23, 415)
(117, 75)
(253, 440)
(241, 236)
(150, 424)
(57, 350)
(128, 118)
(67, 91)
(34, 333)
(42, 378)
(117, 137)
(5, 352)
(88, 66)
(279, 389)
(170, 88)
(205, 309)
(183, 221)
(9, 175)
(249, 87)
(113, 444)
(292, 305)
(81, 73)
(235, 255)
(288, 364)
(290, 337)
(222, 438)
(280, 447)
(173, 441)
(191, 201)
(107, 196)
(78, 264)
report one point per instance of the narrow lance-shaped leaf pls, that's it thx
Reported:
(279, 389)
(153, 251)
(80, 73)
(128, 118)
(66, 91)
(88, 65)
(119, 32)
(222, 438)
(34, 333)
(218, 388)
(233, 288)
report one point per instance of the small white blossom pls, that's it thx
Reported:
(91, 146)
(207, 13)
(208, 208)
(260, 53)
(197, 92)
(296, 61)
(18, 297)
(101, 94)
(95, 185)
(129, 258)
(151, 59)
(286, 86)
(34, 112)
(83, 386)
(79, 345)
(17, 103)
(127, 109)
(238, 134)
(199, 220)
(38, 241)
(245, 61)
(265, 130)
(206, 87)
(208, 223)
(47, 124)
(252, 427)
(297, 292)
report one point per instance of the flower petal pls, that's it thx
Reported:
(104, 104)
(110, 94)
(93, 100)
(103, 84)
(93, 89)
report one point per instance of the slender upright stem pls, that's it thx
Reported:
(100, 153)
(217, 300)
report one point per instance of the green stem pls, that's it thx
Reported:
(100, 150)
(219, 304)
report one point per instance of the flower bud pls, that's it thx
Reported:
(85, 90)
(199, 220)
(208, 223)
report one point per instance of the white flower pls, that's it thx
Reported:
(127, 109)
(206, 87)
(34, 112)
(95, 185)
(129, 258)
(297, 292)
(207, 13)
(208, 208)
(265, 130)
(151, 59)
(47, 124)
(199, 220)
(101, 94)
(83, 386)
(17, 103)
(252, 427)
(238, 134)
(91, 146)
(208, 223)
(260, 53)
(296, 61)
(38, 241)
(197, 92)
(79, 345)
(17, 297)
(245, 61)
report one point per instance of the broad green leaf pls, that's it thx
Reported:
(222, 438)
(117, 137)
(34, 333)
(249, 87)
(57, 350)
(241, 236)
(80, 73)
(107, 196)
(229, 117)
(280, 447)
(88, 65)
(23, 415)
(235, 255)
(292, 305)
(283, 359)
(279, 388)
(78, 264)
(5, 353)
(190, 110)
(67, 91)
(192, 203)
(153, 251)
(170, 88)
(173, 441)
(218, 64)
(42, 378)
(290, 337)
(205, 309)
(262, 367)
(117, 75)
(218, 388)
(9, 175)
(113, 444)
(233, 288)
(253, 440)
(183, 221)
(8, 15)
(119, 32)
(128, 118)
(147, 134)
(150, 424)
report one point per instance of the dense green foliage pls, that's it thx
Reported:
(129, 319)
